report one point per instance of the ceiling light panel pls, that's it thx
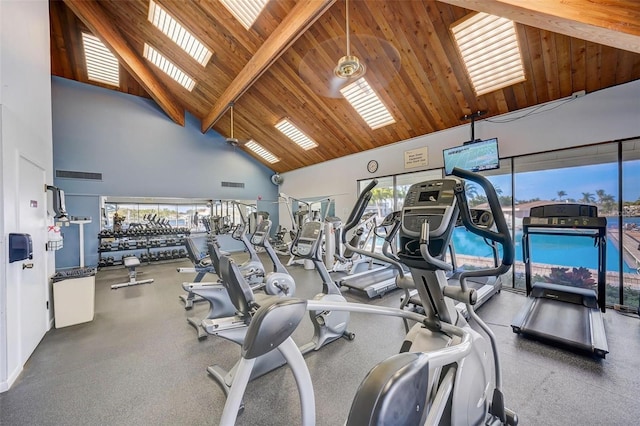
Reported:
(489, 48)
(262, 151)
(293, 133)
(168, 67)
(176, 32)
(101, 65)
(245, 11)
(367, 103)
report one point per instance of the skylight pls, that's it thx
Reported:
(168, 67)
(367, 103)
(101, 65)
(245, 11)
(489, 48)
(262, 151)
(176, 32)
(293, 133)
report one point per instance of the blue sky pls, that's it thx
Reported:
(545, 184)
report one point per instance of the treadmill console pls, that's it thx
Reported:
(582, 222)
(433, 202)
(564, 210)
(306, 245)
(262, 232)
(579, 216)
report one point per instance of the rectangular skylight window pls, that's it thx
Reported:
(102, 66)
(176, 32)
(489, 48)
(293, 133)
(245, 11)
(262, 151)
(367, 103)
(167, 66)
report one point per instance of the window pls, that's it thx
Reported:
(168, 67)
(489, 48)
(262, 151)
(630, 229)
(367, 104)
(582, 175)
(178, 34)
(101, 65)
(296, 135)
(588, 175)
(245, 11)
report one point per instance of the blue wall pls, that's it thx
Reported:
(141, 153)
(69, 255)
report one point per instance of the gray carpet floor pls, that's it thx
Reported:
(139, 363)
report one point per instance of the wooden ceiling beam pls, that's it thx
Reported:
(97, 20)
(612, 23)
(301, 17)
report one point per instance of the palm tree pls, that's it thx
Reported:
(379, 196)
(608, 203)
(588, 197)
(561, 194)
(471, 190)
(601, 194)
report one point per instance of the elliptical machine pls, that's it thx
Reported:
(328, 326)
(446, 372)
(277, 283)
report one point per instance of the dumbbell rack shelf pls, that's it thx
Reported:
(148, 247)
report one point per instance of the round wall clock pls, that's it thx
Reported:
(372, 166)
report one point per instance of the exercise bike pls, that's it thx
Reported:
(446, 372)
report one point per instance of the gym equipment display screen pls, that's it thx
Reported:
(476, 156)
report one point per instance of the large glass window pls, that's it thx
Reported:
(582, 175)
(586, 175)
(176, 215)
(630, 231)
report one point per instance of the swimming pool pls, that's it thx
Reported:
(548, 249)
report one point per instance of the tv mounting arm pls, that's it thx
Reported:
(473, 117)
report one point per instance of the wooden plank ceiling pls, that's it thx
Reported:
(413, 64)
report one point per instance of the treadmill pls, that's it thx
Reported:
(556, 312)
(485, 287)
(376, 282)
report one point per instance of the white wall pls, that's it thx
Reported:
(601, 116)
(25, 130)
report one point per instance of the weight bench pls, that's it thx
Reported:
(131, 262)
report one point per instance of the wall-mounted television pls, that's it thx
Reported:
(474, 156)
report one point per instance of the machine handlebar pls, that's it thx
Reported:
(359, 208)
(503, 235)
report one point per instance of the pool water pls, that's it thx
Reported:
(547, 249)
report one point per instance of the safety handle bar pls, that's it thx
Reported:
(503, 235)
(358, 209)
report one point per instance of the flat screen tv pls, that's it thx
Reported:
(475, 156)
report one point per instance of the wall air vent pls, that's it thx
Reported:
(233, 184)
(68, 174)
